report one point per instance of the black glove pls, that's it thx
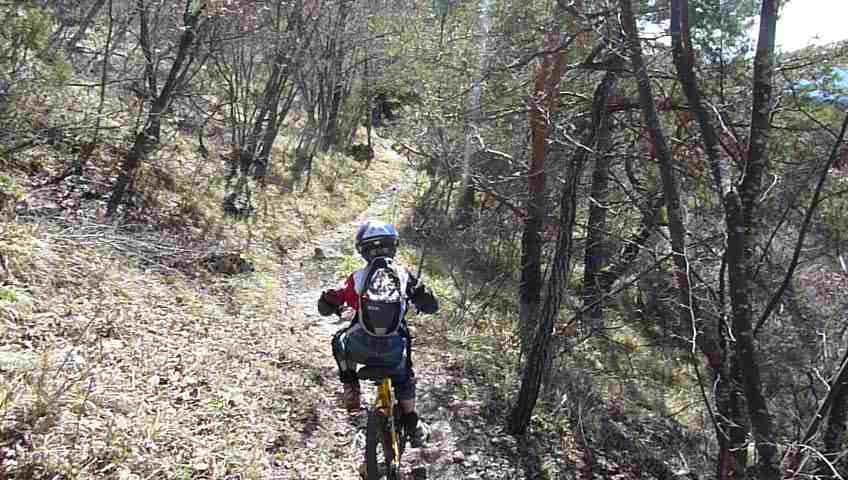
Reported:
(325, 307)
(424, 300)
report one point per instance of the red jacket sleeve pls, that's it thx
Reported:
(349, 295)
(343, 295)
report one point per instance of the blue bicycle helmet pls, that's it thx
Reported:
(376, 239)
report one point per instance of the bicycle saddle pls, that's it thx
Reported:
(375, 373)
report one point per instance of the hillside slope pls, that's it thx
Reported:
(129, 354)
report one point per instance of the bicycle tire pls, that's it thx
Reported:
(378, 439)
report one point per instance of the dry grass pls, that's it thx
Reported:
(117, 364)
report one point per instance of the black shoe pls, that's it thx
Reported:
(418, 437)
(416, 432)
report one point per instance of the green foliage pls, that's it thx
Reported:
(346, 265)
(8, 295)
(441, 7)
(183, 472)
(332, 169)
(25, 58)
(719, 29)
(432, 65)
(9, 188)
(28, 68)
(25, 28)
(834, 211)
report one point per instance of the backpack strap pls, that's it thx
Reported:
(359, 281)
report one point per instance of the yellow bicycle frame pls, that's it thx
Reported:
(385, 405)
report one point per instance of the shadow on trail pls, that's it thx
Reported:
(310, 423)
(531, 460)
(467, 437)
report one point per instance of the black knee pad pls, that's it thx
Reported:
(347, 372)
(336, 343)
(405, 390)
(348, 376)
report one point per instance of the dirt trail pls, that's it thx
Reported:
(331, 441)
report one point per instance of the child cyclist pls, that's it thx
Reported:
(378, 335)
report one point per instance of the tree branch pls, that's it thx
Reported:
(834, 154)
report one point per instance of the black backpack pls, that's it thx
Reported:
(382, 297)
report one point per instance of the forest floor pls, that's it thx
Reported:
(124, 355)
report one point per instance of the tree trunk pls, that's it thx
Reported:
(597, 251)
(149, 137)
(538, 360)
(275, 119)
(539, 350)
(758, 139)
(146, 47)
(369, 106)
(743, 229)
(684, 58)
(731, 423)
(706, 341)
(336, 81)
(86, 23)
(85, 153)
(730, 432)
(706, 336)
(265, 119)
(543, 104)
(834, 434)
(474, 119)
(120, 34)
(744, 352)
(834, 407)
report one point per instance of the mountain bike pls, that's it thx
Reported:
(384, 436)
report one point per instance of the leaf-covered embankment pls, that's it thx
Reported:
(133, 352)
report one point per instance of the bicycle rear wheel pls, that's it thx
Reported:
(378, 449)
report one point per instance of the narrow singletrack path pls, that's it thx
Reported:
(330, 443)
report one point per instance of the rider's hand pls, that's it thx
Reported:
(424, 300)
(327, 303)
(331, 297)
(325, 308)
(347, 314)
